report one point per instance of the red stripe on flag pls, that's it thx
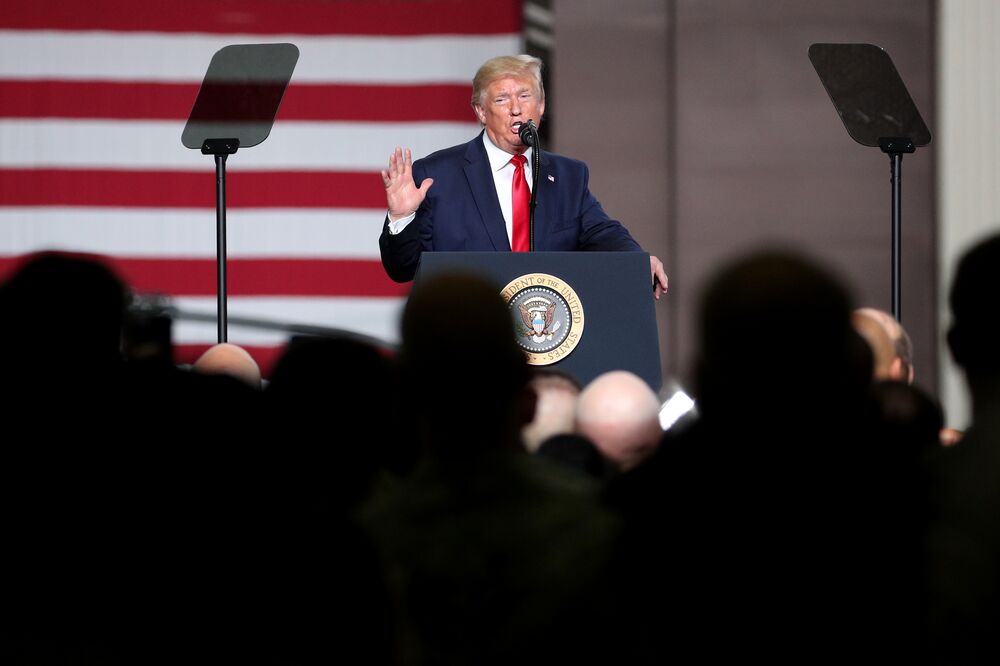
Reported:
(261, 277)
(250, 277)
(273, 17)
(172, 101)
(186, 189)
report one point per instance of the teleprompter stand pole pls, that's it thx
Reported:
(895, 148)
(221, 149)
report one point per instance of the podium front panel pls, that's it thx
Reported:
(615, 295)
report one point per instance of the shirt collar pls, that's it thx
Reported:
(499, 158)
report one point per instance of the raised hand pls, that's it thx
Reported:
(401, 192)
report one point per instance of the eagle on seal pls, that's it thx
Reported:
(537, 325)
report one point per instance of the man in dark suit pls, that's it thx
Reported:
(474, 204)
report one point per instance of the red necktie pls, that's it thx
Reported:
(519, 210)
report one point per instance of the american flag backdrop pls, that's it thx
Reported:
(93, 100)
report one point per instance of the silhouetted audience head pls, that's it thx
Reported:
(777, 339)
(62, 311)
(975, 326)
(463, 376)
(331, 398)
(229, 360)
(555, 407)
(777, 490)
(319, 377)
(962, 584)
(889, 342)
(619, 413)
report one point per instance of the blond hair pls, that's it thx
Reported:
(501, 66)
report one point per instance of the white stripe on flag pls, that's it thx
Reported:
(157, 145)
(340, 233)
(377, 317)
(155, 57)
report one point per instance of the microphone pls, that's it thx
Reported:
(528, 132)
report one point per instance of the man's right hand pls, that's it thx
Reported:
(401, 192)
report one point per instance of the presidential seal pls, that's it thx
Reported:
(547, 316)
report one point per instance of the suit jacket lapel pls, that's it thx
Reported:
(484, 191)
(545, 202)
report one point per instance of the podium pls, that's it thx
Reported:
(591, 311)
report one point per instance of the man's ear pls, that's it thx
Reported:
(480, 113)
(900, 371)
(896, 369)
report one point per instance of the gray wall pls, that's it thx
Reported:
(709, 134)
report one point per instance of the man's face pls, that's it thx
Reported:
(509, 102)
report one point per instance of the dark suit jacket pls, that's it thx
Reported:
(462, 212)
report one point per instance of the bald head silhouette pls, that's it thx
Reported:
(229, 360)
(619, 413)
(890, 344)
